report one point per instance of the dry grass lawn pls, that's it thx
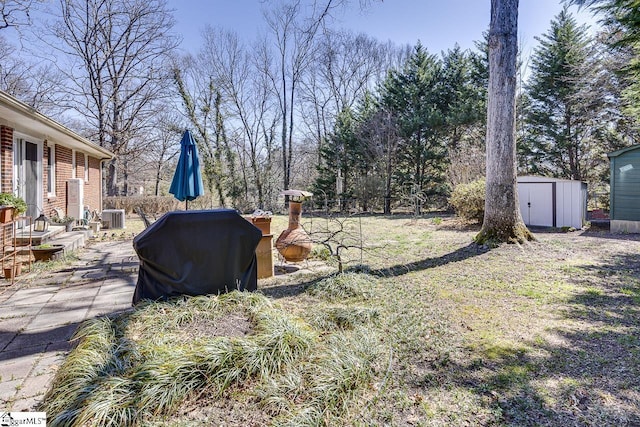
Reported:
(541, 334)
(437, 331)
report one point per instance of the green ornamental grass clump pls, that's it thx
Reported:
(343, 317)
(141, 367)
(144, 364)
(342, 286)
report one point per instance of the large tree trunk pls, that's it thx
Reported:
(502, 218)
(112, 178)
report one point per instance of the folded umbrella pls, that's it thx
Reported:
(187, 180)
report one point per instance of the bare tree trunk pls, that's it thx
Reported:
(125, 178)
(502, 218)
(156, 189)
(387, 191)
(112, 178)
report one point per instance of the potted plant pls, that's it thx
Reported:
(10, 272)
(67, 221)
(46, 251)
(10, 206)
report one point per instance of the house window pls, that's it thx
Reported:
(51, 170)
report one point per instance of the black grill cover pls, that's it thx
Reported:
(196, 253)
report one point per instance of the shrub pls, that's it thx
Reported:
(149, 204)
(468, 200)
(8, 199)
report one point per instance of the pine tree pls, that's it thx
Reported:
(464, 91)
(560, 130)
(415, 97)
(341, 159)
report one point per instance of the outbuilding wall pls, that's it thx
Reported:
(625, 190)
(552, 202)
(625, 186)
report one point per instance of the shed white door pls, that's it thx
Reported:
(536, 203)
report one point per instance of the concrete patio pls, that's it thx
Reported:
(41, 311)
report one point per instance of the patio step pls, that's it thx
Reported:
(71, 240)
(38, 238)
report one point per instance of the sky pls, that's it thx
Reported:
(438, 24)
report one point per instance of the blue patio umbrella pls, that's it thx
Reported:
(187, 181)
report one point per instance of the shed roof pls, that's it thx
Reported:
(24, 118)
(623, 150)
(532, 178)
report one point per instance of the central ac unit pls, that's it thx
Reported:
(113, 218)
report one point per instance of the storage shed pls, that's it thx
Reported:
(552, 202)
(625, 190)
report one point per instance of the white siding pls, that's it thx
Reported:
(537, 203)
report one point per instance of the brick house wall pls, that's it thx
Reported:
(79, 164)
(64, 171)
(18, 119)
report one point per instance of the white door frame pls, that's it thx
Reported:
(19, 168)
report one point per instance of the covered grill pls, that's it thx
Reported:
(196, 253)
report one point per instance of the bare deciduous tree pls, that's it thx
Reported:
(502, 218)
(467, 163)
(153, 157)
(249, 104)
(383, 135)
(13, 70)
(34, 84)
(15, 13)
(201, 101)
(345, 67)
(295, 30)
(116, 55)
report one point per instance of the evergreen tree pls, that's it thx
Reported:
(464, 91)
(342, 160)
(465, 79)
(415, 96)
(560, 130)
(397, 141)
(621, 19)
(378, 131)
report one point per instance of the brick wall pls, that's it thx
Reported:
(64, 171)
(6, 152)
(79, 165)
